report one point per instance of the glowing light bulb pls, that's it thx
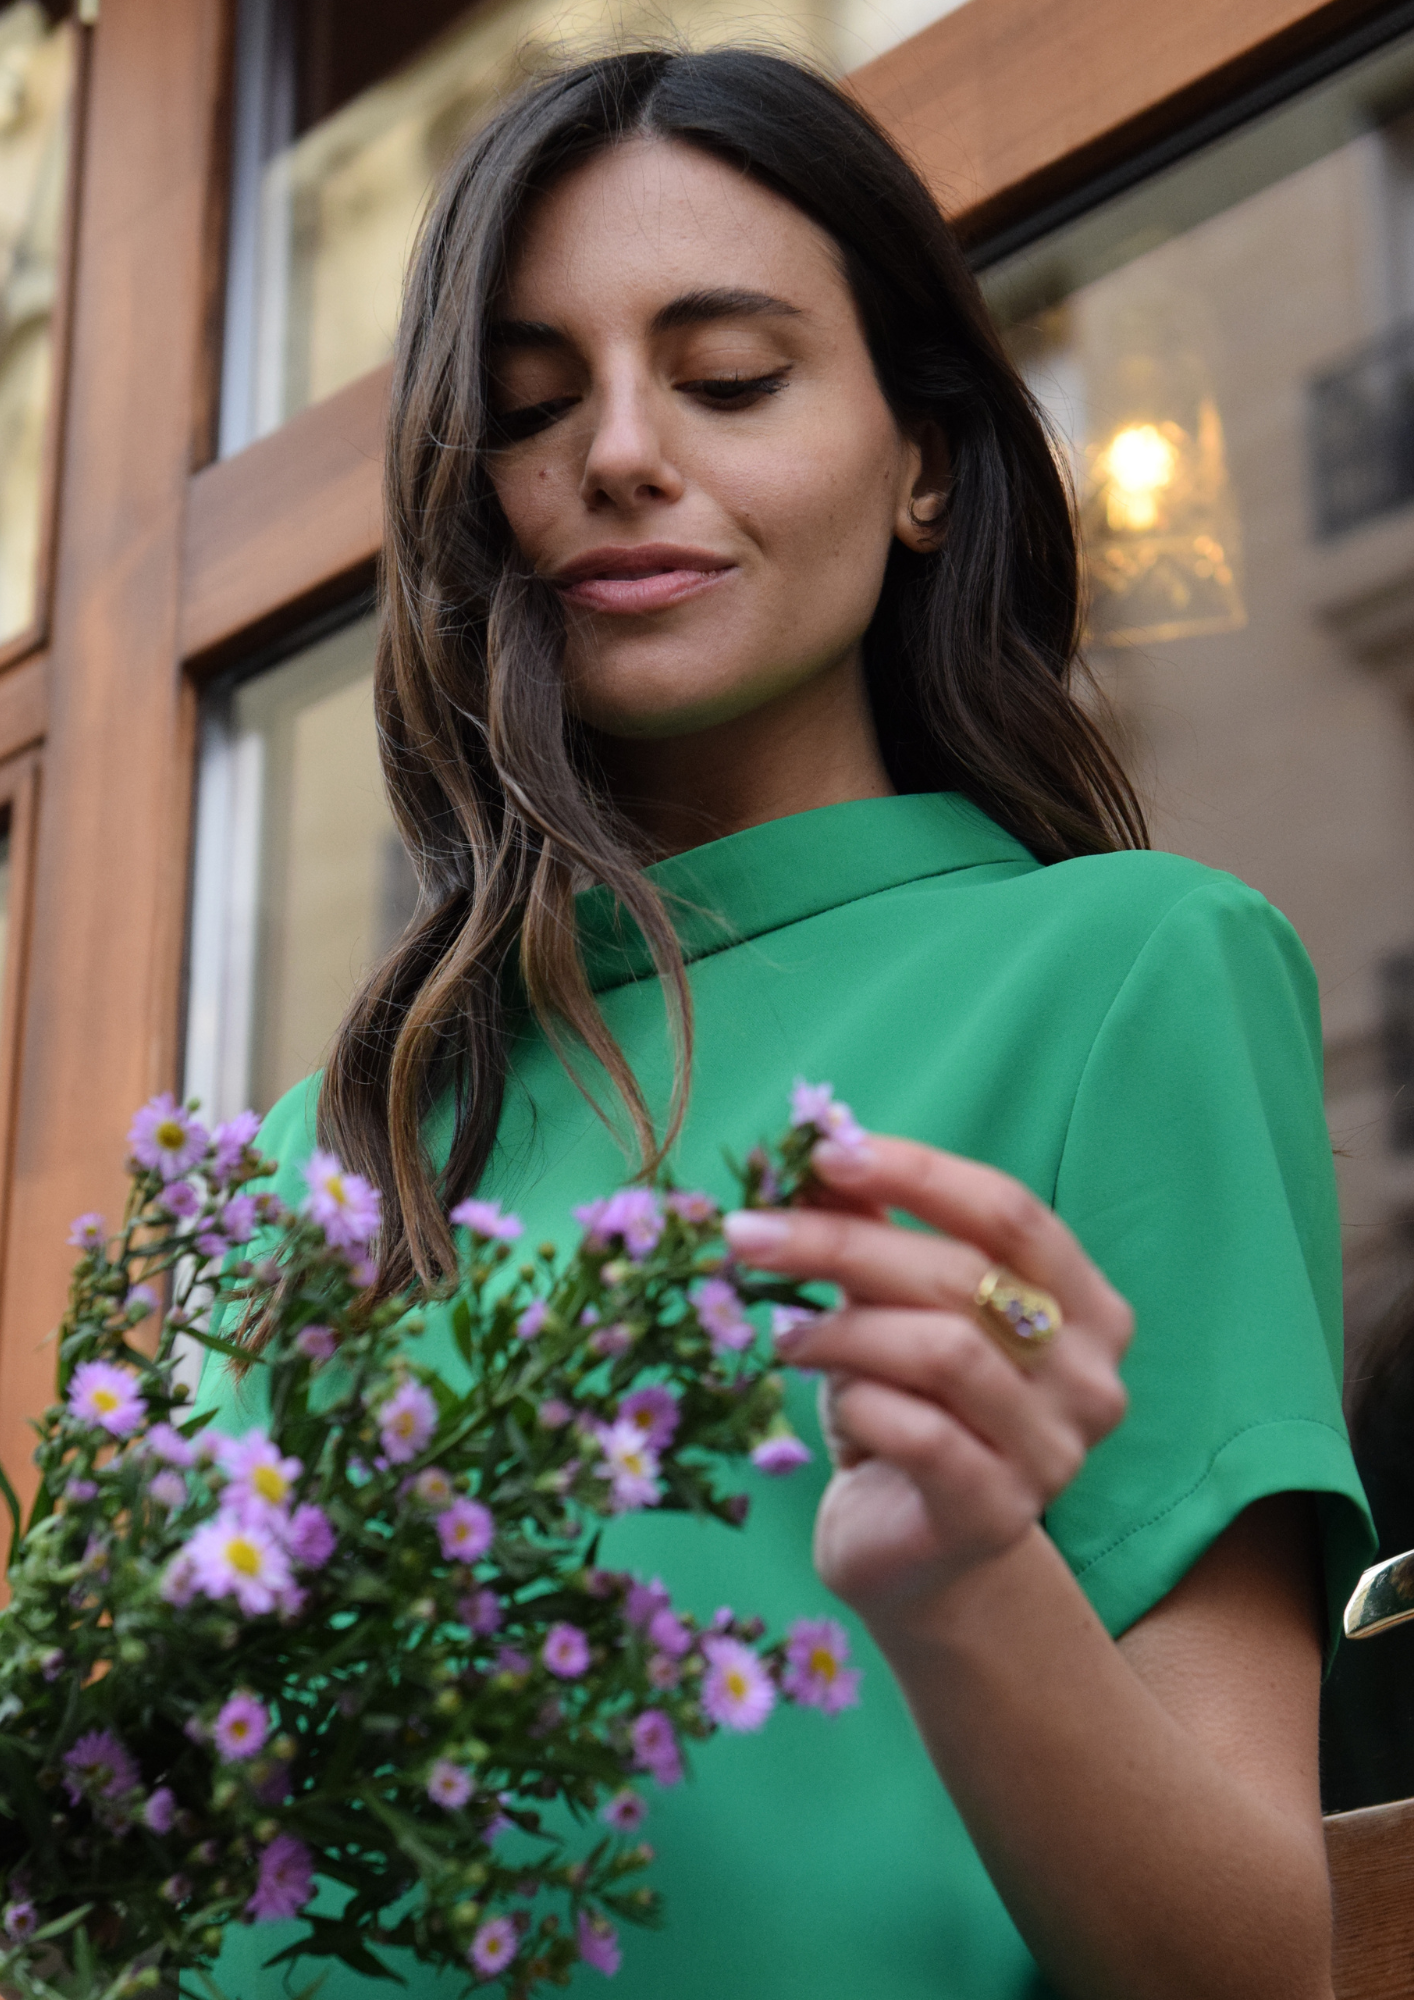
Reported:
(1140, 463)
(1141, 459)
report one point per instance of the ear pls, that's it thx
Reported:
(920, 523)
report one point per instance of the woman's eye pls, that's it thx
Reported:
(511, 426)
(734, 392)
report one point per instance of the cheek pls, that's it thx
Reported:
(824, 495)
(534, 494)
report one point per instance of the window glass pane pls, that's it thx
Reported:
(1228, 355)
(36, 77)
(348, 109)
(301, 880)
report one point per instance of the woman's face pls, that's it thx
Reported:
(693, 445)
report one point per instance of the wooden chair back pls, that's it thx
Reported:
(1371, 1857)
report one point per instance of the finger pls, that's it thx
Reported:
(978, 1204)
(947, 1359)
(958, 1478)
(871, 1259)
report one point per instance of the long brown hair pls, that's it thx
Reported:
(971, 657)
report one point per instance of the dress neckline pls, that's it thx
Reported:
(778, 873)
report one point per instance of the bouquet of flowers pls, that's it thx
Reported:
(360, 1664)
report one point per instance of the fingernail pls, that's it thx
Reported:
(842, 1163)
(789, 1326)
(748, 1229)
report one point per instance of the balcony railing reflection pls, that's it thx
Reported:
(1362, 433)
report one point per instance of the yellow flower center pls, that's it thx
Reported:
(334, 1188)
(105, 1400)
(269, 1483)
(243, 1555)
(171, 1136)
(644, 1419)
(736, 1684)
(824, 1663)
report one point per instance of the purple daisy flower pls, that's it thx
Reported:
(160, 1812)
(632, 1214)
(434, 1487)
(485, 1219)
(655, 1747)
(88, 1231)
(668, 1633)
(598, 1943)
(465, 1531)
(630, 1466)
(21, 1920)
(169, 1489)
(777, 1456)
(494, 1946)
(691, 1206)
(168, 1444)
(718, 1306)
(260, 1480)
(737, 1691)
(232, 1556)
(238, 1218)
(310, 1538)
(346, 1206)
(241, 1727)
(816, 1675)
(644, 1600)
(166, 1138)
(532, 1319)
(406, 1422)
(179, 1198)
(815, 1104)
(315, 1342)
(103, 1394)
(99, 1766)
(448, 1785)
(625, 1811)
(481, 1612)
(230, 1141)
(286, 1880)
(565, 1651)
(654, 1411)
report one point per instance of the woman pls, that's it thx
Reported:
(731, 583)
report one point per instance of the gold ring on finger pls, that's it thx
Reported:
(1020, 1319)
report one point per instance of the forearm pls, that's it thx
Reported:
(1136, 1863)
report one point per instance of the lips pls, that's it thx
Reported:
(650, 576)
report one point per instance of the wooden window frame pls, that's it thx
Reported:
(168, 568)
(32, 636)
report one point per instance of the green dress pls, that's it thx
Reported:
(1135, 1037)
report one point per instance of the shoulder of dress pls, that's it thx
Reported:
(1144, 885)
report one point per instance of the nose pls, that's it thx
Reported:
(628, 463)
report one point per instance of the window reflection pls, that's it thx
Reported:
(1227, 354)
(36, 76)
(346, 112)
(301, 880)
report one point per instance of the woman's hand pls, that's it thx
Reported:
(946, 1452)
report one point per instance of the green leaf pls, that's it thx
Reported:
(331, 1938)
(12, 1508)
(230, 1348)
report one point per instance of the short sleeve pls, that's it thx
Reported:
(1197, 1172)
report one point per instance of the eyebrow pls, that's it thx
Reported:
(691, 309)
